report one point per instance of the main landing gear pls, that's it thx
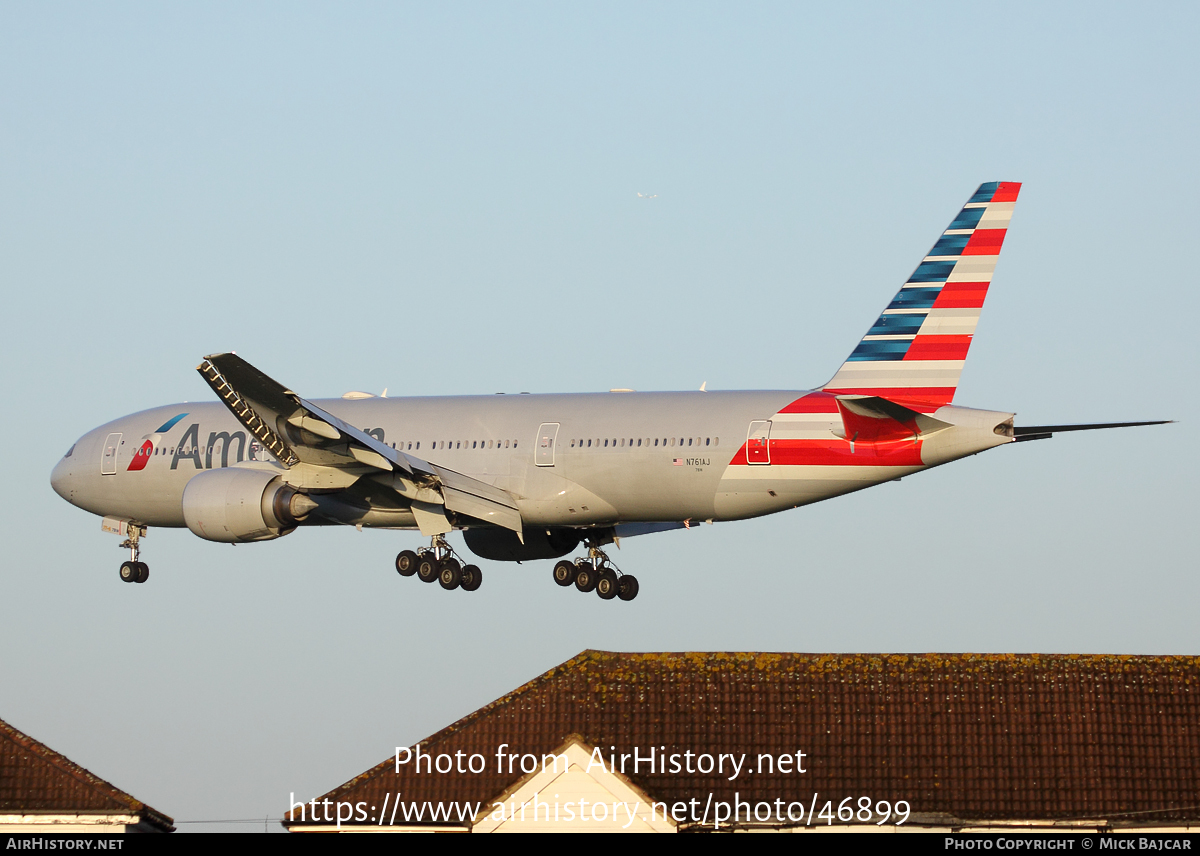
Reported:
(596, 573)
(437, 562)
(134, 571)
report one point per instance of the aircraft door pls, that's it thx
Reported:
(758, 443)
(543, 449)
(108, 461)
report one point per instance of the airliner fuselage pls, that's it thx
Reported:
(612, 458)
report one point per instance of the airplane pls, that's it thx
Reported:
(532, 477)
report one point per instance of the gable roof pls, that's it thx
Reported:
(971, 736)
(34, 779)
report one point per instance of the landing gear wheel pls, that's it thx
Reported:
(606, 585)
(564, 573)
(472, 578)
(130, 572)
(586, 579)
(406, 563)
(449, 574)
(627, 588)
(143, 572)
(427, 568)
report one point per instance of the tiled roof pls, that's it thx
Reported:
(34, 779)
(971, 736)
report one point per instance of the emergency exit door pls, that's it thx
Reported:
(108, 461)
(758, 443)
(543, 449)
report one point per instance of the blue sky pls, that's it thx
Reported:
(442, 200)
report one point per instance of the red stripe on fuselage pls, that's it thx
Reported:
(961, 295)
(838, 453)
(938, 348)
(814, 402)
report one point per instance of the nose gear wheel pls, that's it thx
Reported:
(134, 571)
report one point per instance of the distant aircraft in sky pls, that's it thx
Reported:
(535, 476)
(647, 196)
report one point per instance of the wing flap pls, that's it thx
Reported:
(501, 514)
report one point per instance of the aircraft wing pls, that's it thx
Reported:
(297, 431)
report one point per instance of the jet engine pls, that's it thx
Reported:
(236, 504)
(503, 545)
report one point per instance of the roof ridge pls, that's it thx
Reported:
(87, 778)
(826, 659)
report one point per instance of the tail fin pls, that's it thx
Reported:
(915, 352)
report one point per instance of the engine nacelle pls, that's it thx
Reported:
(502, 545)
(236, 504)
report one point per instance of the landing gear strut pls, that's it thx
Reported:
(134, 571)
(437, 562)
(596, 572)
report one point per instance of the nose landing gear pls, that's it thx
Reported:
(134, 571)
(596, 573)
(437, 562)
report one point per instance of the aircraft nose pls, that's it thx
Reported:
(60, 478)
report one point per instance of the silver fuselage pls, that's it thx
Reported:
(623, 457)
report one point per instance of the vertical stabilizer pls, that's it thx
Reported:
(915, 352)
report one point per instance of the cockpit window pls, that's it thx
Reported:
(70, 450)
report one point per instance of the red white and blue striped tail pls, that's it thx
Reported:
(915, 352)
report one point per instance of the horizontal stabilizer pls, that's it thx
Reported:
(1044, 432)
(871, 419)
